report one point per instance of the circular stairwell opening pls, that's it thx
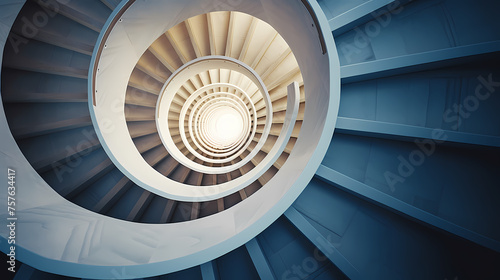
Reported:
(224, 126)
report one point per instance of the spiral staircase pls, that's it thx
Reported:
(154, 68)
(407, 188)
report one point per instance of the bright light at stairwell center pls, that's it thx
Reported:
(224, 126)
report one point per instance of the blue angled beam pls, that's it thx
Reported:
(322, 243)
(140, 206)
(24, 272)
(415, 62)
(259, 260)
(207, 271)
(404, 132)
(397, 206)
(345, 21)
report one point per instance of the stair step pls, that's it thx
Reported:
(96, 193)
(135, 113)
(35, 119)
(56, 30)
(154, 210)
(182, 212)
(168, 211)
(149, 64)
(140, 206)
(31, 87)
(129, 203)
(77, 173)
(139, 97)
(138, 129)
(147, 142)
(208, 208)
(90, 13)
(41, 57)
(49, 149)
(112, 4)
(113, 195)
(142, 81)
(155, 155)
